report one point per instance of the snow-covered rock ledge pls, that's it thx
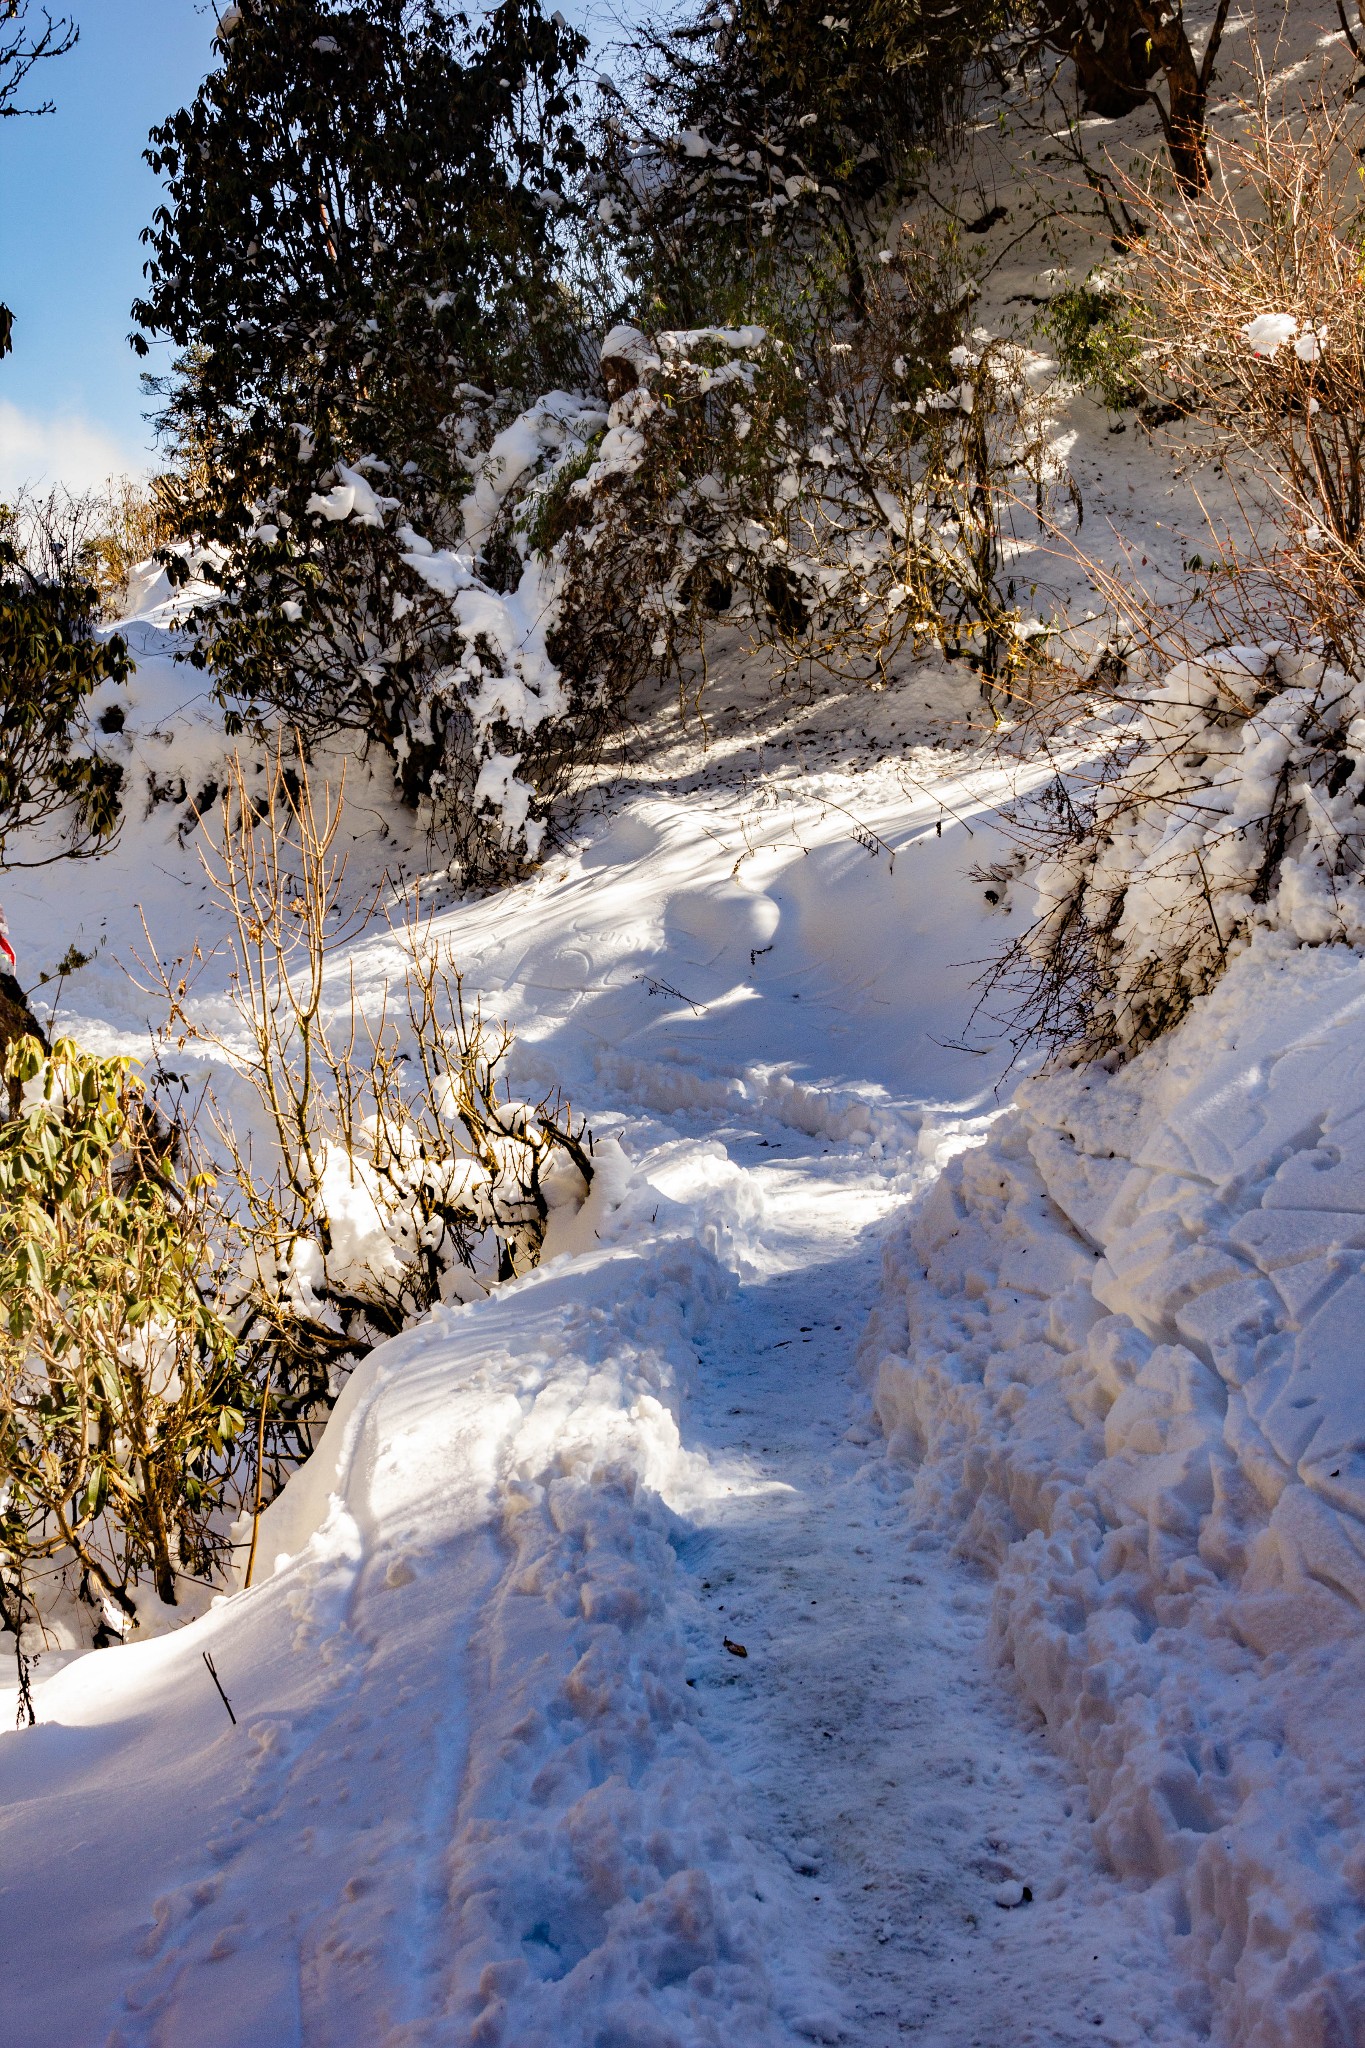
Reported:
(1123, 1346)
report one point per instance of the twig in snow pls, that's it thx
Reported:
(666, 988)
(213, 1674)
(906, 776)
(260, 1468)
(862, 832)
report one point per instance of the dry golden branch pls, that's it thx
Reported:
(1250, 304)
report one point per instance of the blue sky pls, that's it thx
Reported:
(76, 196)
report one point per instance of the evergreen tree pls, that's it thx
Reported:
(764, 129)
(358, 262)
(51, 663)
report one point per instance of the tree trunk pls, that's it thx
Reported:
(1110, 44)
(1183, 117)
(163, 1571)
(1119, 46)
(16, 1021)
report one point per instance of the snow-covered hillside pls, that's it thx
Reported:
(495, 1774)
(1122, 1353)
(895, 1569)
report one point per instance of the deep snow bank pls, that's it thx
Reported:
(1124, 1347)
(466, 1798)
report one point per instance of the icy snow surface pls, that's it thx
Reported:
(495, 1775)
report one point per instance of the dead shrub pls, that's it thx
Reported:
(1249, 300)
(96, 536)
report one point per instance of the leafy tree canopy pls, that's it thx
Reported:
(764, 125)
(359, 262)
(360, 217)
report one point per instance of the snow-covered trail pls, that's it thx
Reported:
(876, 1744)
(494, 1777)
(427, 1825)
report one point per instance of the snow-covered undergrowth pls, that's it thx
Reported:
(1122, 1351)
(1232, 806)
(494, 1774)
(328, 1177)
(848, 501)
(488, 1520)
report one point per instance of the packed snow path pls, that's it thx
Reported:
(494, 1775)
(874, 1740)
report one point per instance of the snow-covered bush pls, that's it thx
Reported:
(1089, 327)
(96, 536)
(1235, 803)
(359, 260)
(172, 1336)
(839, 502)
(121, 1390)
(127, 525)
(670, 519)
(503, 718)
(392, 1169)
(437, 650)
(1230, 797)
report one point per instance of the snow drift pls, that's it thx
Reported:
(1122, 1350)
